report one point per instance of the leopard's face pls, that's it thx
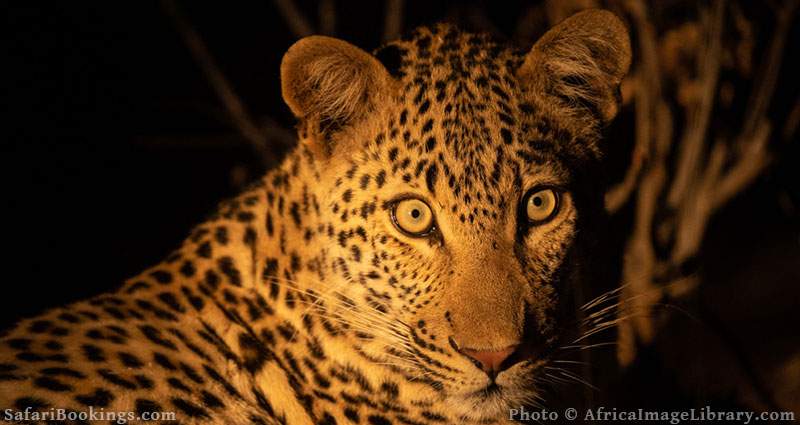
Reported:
(473, 260)
(452, 211)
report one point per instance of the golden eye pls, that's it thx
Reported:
(413, 216)
(541, 205)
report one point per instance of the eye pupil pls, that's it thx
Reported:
(416, 213)
(537, 201)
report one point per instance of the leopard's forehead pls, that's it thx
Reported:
(463, 128)
(449, 52)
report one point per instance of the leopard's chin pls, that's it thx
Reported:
(496, 399)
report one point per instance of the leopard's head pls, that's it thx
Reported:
(453, 174)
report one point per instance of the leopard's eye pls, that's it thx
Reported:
(413, 217)
(541, 205)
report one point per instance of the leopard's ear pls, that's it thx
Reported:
(330, 84)
(580, 62)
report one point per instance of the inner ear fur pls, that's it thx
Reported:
(330, 84)
(581, 62)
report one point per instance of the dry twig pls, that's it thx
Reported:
(706, 176)
(233, 104)
(295, 19)
(393, 20)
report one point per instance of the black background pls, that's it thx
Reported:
(116, 145)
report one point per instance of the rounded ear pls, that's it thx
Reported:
(581, 62)
(329, 83)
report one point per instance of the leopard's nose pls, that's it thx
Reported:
(490, 361)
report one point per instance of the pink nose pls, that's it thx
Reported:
(490, 361)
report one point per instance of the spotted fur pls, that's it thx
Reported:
(300, 302)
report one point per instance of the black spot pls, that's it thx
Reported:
(114, 312)
(227, 267)
(69, 317)
(188, 269)
(178, 385)
(163, 361)
(433, 416)
(380, 179)
(210, 400)
(190, 373)
(390, 389)
(169, 299)
(253, 352)
(162, 276)
(194, 300)
(507, 137)
(99, 398)
(51, 384)
(326, 419)
(212, 279)
(430, 177)
(40, 326)
(144, 382)
(94, 334)
(204, 250)
(294, 212)
(62, 371)
(130, 360)
(221, 235)
(146, 406)
(159, 312)
(392, 58)
(32, 402)
(351, 414)
(19, 343)
(7, 367)
(249, 236)
(424, 107)
(430, 144)
(154, 335)
(115, 379)
(245, 216)
(428, 125)
(190, 409)
(93, 353)
(506, 119)
(213, 374)
(378, 420)
(270, 227)
(364, 182)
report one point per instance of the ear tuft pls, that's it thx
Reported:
(330, 82)
(581, 61)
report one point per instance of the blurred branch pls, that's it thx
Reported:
(768, 75)
(753, 159)
(653, 134)
(691, 147)
(297, 23)
(233, 104)
(327, 17)
(673, 216)
(393, 20)
(752, 153)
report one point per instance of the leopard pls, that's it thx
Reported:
(413, 260)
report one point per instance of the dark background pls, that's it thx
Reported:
(116, 146)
